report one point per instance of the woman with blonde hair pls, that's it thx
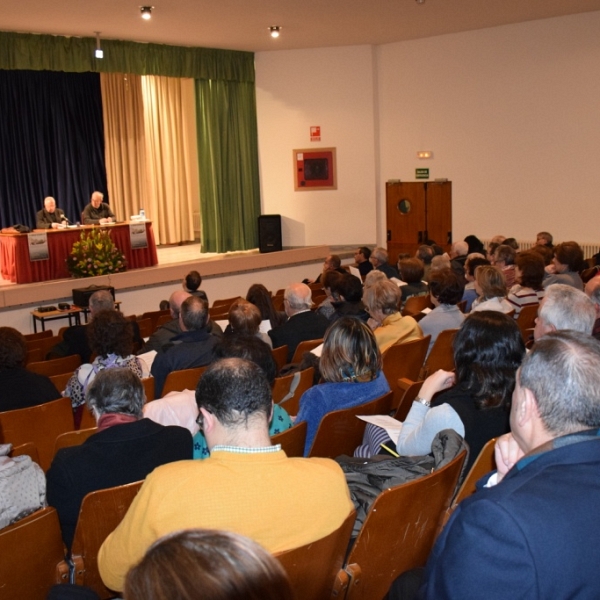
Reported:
(490, 286)
(350, 365)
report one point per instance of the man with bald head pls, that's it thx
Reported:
(302, 324)
(165, 333)
(50, 217)
(97, 212)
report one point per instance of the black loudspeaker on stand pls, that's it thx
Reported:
(269, 233)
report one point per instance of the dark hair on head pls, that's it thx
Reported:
(446, 287)
(545, 252)
(350, 287)
(110, 333)
(492, 248)
(193, 280)
(475, 244)
(329, 279)
(350, 352)
(336, 261)
(248, 347)
(164, 305)
(366, 252)
(512, 242)
(244, 317)
(118, 390)
(260, 296)
(424, 253)
(531, 265)
(234, 390)
(488, 349)
(411, 270)
(472, 263)
(13, 349)
(570, 254)
(207, 564)
(437, 250)
(505, 253)
(194, 313)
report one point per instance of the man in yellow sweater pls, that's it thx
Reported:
(247, 485)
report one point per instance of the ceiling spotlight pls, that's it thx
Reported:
(275, 31)
(98, 53)
(146, 12)
(420, 1)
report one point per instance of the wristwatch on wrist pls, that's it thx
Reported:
(423, 401)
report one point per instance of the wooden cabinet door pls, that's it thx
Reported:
(405, 216)
(439, 213)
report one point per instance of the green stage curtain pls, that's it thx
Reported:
(76, 55)
(228, 159)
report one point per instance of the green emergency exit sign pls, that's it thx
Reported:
(421, 173)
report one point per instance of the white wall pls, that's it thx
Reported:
(511, 114)
(333, 88)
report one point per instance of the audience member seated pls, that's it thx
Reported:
(126, 448)
(567, 261)
(439, 262)
(302, 323)
(332, 263)
(193, 347)
(389, 326)
(411, 272)
(491, 251)
(470, 293)
(75, 338)
(545, 252)
(530, 531)
(458, 257)
(361, 259)
(350, 365)
(247, 486)
(110, 336)
(245, 319)
(529, 274)
(192, 283)
(224, 565)
(162, 337)
(475, 245)
(504, 260)
(446, 292)
(564, 307)
(379, 260)
(20, 388)
(592, 290)
(261, 298)
(512, 242)
(544, 239)
(491, 290)
(348, 290)
(425, 254)
(252, 349)
(488, 350)
(372, 278)
(329, 280)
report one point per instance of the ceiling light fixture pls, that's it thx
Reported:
(275, 31)
(420, 1)
(146, 12)
(98, 53)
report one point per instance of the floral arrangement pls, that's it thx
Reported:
(95, 254)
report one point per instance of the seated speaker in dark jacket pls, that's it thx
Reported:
(125, 449)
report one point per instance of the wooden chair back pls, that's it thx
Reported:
(278, 302)
(40, 424)
(340, 431)
(34, 355)
(305, 346)
(409, 390)
(26, 449)
(225, 302)
(40, 335)
(282, 388)
(185, 379)
(153, 315)
(162, 320)
(88, 420)
(45, 344)
(415, 304)
(60, 381)
(441, 355)
(462, 306)
(145, 326)
(526, 320)
(292, 440)
(56, 366)
(73, 438)
(148, 383)
(219, 313)
(483, 464)
(312, 569)
(280, 356)
(61, 332)
(399, 531)
(31, 551)
(100, 514)
(404, 360)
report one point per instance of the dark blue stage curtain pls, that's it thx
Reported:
(51, 143)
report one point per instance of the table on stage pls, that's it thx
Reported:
(16, 266)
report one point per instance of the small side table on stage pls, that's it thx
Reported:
(73, 314)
